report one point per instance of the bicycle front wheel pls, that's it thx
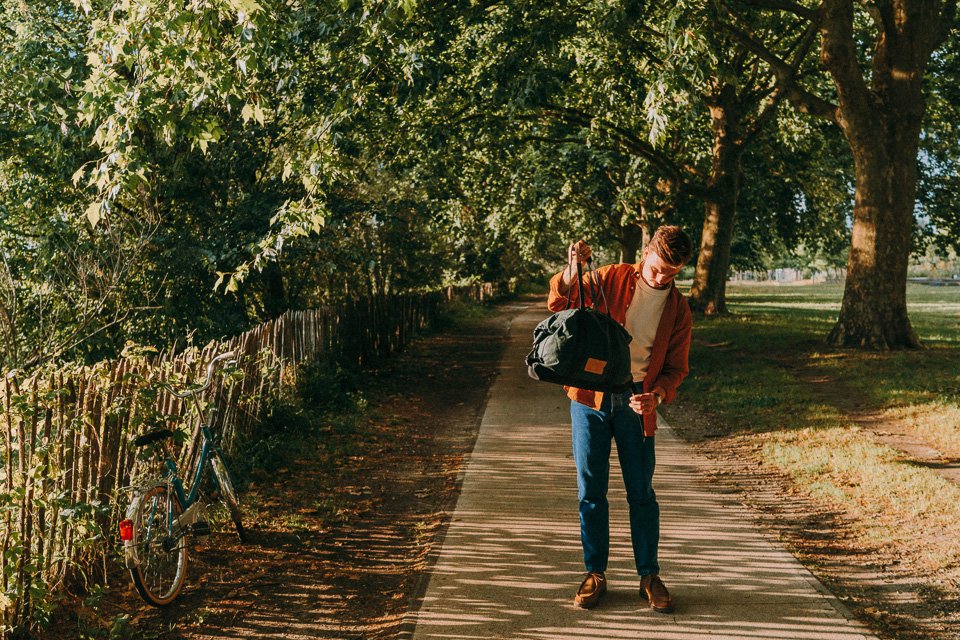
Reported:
(227, 494)
(157, 561)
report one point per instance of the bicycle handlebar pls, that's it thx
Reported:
(206, 384)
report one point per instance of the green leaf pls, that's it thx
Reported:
(247, 7)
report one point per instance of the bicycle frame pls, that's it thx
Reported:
(188, 499)
(207, 449)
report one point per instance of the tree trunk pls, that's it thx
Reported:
(874, 309)
(632, 236)
(708, 294)
(274, 293)
(882, 124)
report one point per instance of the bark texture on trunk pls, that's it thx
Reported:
(708, 294)
(882, 123)
(874, 310)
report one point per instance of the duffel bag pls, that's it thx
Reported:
(582, 348)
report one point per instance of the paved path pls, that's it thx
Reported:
(511, 558)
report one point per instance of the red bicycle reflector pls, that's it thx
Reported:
(126, 530)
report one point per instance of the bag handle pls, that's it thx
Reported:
(590, 284)
(596, 276)
(580, 283)
(579, 287)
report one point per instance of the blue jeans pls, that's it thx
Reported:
(593, 432)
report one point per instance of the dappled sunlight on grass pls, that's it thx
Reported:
(936, 422)
(899, 378)
(747, 357)
(733, 377)
(939, 308)
(933, 310)
(807, 292)
(780, 304)
(897, 503)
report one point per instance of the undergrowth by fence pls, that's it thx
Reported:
(67, 434)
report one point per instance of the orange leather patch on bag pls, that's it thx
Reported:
(595, 366)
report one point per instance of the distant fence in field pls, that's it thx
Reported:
(66, 434)
(953, 281)
(790, 276)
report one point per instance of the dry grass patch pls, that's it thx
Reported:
(896, 504)
(934, 422)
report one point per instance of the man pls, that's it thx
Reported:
(644, 299)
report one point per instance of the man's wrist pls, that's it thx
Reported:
(660, 394)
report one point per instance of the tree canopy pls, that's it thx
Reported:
(171, 171)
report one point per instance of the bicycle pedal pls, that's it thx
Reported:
(200, 528)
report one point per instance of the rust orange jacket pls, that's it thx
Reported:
(671, 346)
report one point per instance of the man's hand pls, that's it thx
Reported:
(578, 251)
(644, 403)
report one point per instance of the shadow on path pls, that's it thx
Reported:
(511, 558)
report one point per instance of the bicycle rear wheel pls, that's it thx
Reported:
(227, 494)
(157, 562)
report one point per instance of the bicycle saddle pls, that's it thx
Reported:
(154, 435)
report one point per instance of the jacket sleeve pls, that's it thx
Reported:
(676, 364)
(557, 301)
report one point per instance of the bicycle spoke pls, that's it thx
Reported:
(160, 571)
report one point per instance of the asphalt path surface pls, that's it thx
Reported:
(511, 560)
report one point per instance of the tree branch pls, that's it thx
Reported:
(874, 12)
(66, 344)
(783, 5)
(692, 179)
(786, 74)
(838, 53)
(566, 140)
(766, 114)
(799, 49)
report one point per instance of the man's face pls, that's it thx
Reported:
(656, 272)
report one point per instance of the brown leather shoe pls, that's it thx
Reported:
(592, 587)
(653, 590)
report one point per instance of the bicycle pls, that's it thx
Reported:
(163, 514)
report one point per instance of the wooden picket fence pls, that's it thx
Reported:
(66, 434)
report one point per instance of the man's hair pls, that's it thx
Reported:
(672, 244)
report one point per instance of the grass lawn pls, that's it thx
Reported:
(764, 376)
(744, 367)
